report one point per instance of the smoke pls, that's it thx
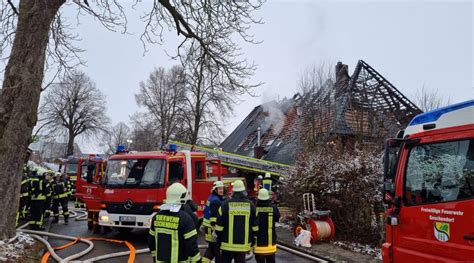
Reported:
(274, 119)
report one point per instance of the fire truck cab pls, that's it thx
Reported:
(429, 188)
(135, 185)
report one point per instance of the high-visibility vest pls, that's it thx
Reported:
(37, 189)
(267, 215)
(236, 224)
(173, 237)
(267, 184)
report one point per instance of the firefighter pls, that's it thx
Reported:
(209, 222)
(38, 194)
(60, 197)
(173, 236)
(267, 182)
(24, 198)
(48, 183)
(267, 215)
(236, 225)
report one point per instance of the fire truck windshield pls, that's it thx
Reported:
(142, 173)
(71, 168)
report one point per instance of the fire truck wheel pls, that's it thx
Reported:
(297, 229)
(124, 230)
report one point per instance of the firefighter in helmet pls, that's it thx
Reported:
(173, 236)
(60, 197)
(267, 215)
(38, 193)
(209, 222)
(267, 182)
(24, 196)
(48, 182)
(236, 225)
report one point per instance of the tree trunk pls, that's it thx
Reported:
(19, 99)
(70, 144)
(197, 125)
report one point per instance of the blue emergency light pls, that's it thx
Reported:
(433, 116)
(121, 148)
(172, 148)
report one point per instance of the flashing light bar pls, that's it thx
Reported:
(434, 115)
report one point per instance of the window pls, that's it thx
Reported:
(175, 172)
(440, 172)
(85, 166)
(199, 170)
(135, 173)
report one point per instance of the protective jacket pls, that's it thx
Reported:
(236, 224)
(173, 237)
(267, 215)
(211, 212)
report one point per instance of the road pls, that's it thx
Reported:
(137, 237)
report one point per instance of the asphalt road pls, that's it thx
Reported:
(138, 238)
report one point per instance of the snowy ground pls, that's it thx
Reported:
(15, 248)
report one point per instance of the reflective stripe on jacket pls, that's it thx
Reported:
(267, 215)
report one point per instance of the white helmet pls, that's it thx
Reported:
(176, 194)
(217, 184)
(268, 175)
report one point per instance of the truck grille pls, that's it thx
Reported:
(137, 209)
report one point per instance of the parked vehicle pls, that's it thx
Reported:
(429, 188)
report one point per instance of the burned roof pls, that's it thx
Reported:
(362, 104)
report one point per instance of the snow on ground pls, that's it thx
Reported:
(359, 248)
(13, 249)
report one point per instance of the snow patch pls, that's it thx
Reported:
(360, 248)
(14, 248)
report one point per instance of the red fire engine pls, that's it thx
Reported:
(429, 187)
(135, 185)
(89, 187)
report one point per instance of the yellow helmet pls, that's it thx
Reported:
(263, 194)
(217, 184)
(176, 194)
(238, 186)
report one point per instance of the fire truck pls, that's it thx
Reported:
(429, 188)
(89, 189)
(135, 185)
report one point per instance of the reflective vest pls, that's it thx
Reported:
(173, 237)
(267, 215)
(267, 184)
(210, 215)
(237, 224)
(25, 187)
(37, 189)
(60, 190)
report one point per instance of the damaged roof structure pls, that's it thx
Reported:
(364, 107)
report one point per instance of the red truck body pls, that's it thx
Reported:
(429, 186)
(135, 185)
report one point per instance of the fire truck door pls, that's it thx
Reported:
(436, 216)
(92, 174)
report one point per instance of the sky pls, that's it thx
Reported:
(410, 43)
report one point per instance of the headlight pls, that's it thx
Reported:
(104, 218)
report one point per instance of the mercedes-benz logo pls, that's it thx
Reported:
(128, 204)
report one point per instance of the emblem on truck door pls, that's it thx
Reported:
(128, 204)
(441, 231)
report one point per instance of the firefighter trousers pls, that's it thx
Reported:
(55, 208)
(36, 213)
(23, 209)
(227, 256)
(265, 258)
(212, 252)
(47, 207)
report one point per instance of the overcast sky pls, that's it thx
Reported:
(411, 44)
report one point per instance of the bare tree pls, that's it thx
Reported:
(27, 26)
(163, 96)
(75, 107)
(429, 100)
(212, 91)
(117, 135)
(317, 101)
(144, 132)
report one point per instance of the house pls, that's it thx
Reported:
(364, 108)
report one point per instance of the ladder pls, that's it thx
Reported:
(239, 161)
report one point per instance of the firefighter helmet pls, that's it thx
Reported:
(268, 175)
(176, 194)
(238, 186)
(263, 194)
(217, 184)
